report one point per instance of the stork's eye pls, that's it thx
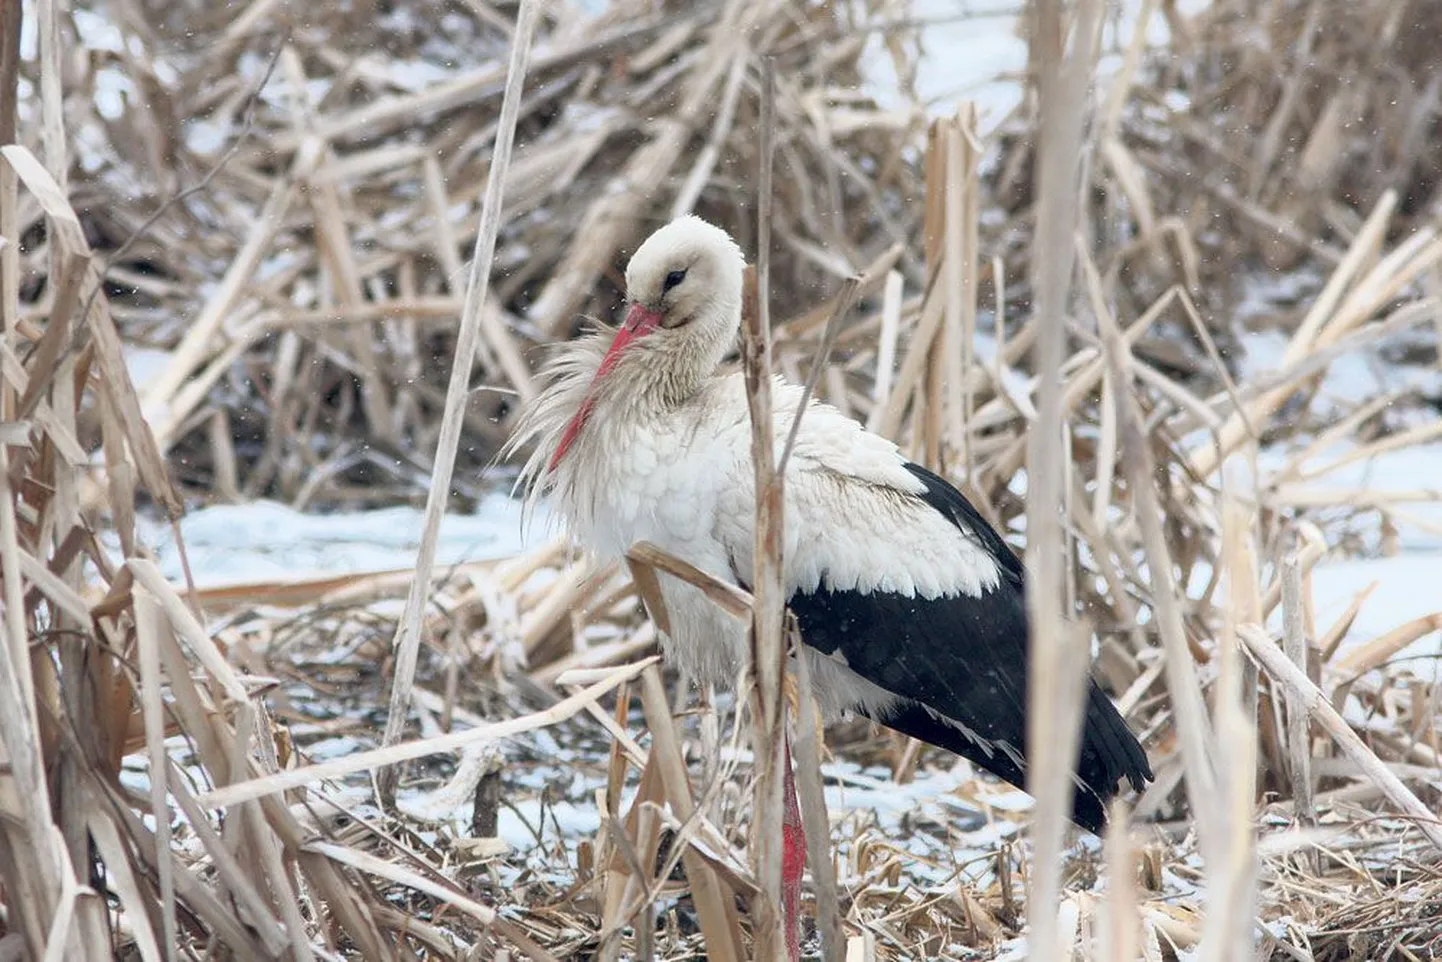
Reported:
(672, 279)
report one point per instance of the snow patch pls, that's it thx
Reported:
(229, 544)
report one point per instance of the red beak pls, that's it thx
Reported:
(639, 322)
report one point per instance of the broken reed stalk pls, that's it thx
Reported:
(1299, 735)
(408, 632)
(1057, 650)
(1274, 661)
(768, 650)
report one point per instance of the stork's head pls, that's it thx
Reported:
(683, 288)
(685, 275)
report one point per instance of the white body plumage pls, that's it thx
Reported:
(911, 607)
(683, 480)
(676, 471)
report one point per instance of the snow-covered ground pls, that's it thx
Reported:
(263, 540)
(1405, 484)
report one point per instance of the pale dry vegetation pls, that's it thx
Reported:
(233, 258)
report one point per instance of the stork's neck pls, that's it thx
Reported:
(667, 373)
(636, 381)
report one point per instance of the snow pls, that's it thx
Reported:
(97, 32)
(206, 136)
(1405, 581)
(973, 50)
(1353, 378)
(145, 364)
(1405, 589)
(970, 50)
(1406, 485)
(263, 540)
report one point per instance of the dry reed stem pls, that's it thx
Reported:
(1193, 729)
(889, 423)
(960, 252)
(815, 822)
(842, 304)
(1066, 49)
(861, 948)
(1374, 653)
(148, 628)
(448, 894)
(647, 559)
(1119, 922)
(1231, 867)
(65, 226)
(722, 938)
(12, 16)
(1323, 324)
(408, 631)
(768, 649)
(710, 154)
(886, 349)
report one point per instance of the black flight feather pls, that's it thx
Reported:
(959, 663)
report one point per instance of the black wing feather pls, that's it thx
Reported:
(960, 663)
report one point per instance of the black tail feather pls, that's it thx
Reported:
(1109, 752)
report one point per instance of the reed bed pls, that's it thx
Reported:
(308, 184)
(188, 767)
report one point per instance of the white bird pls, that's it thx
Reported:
(910, 606)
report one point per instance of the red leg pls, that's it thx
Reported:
(793, 860)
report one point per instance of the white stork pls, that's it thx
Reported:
(910, 605)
